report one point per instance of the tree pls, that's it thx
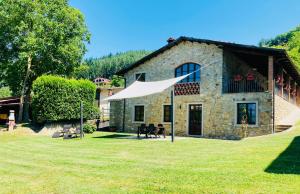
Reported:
(39, 37)
(107, 66)
(117, 81)
(5, 92)
(289, 41)
(82, 72)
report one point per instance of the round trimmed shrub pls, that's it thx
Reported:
(88, 128)
(58, 99)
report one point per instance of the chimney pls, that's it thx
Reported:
(170, 40)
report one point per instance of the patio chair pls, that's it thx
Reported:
(152, 130)
(78, 132)
(66, 131)
(57, 134)
(142, 130)
(161, 130)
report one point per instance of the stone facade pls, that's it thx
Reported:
(218, 108)
(116, 114)
(285, 113)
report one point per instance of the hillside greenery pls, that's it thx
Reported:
(289, 41)
(108, 65)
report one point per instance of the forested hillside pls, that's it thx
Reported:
(108, 65)
(289, 41)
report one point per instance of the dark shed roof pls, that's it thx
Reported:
(9, 100)
(280, 54)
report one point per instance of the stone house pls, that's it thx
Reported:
(104, 90)
(240, 90)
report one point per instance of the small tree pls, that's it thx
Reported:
(244, 121)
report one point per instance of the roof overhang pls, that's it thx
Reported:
(280, 54)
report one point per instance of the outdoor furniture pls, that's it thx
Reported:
(161, 130)
(152, 130)
(66, 133)
(142, 130)
(78, 132)
(57, 134)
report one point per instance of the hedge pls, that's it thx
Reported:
(58, 99)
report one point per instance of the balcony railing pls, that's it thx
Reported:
(243, 86)
(190, 88)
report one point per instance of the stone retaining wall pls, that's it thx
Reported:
(283, 110)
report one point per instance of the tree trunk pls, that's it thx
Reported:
(23, 92)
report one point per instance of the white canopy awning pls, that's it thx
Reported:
(139, 89)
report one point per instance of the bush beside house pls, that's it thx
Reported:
(88, 128)
(58, 99)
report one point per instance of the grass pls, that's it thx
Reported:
(104, 163)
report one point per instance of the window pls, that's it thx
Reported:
(139, 113)
(186, 69)
(167, 113)
(247, 112)
(140, 77)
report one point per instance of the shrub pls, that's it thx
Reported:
(5, 92)
(58, 99)
(88, 128)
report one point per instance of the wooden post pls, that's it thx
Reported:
(172, 117)
(271, 89)
(81, 120)
(296, 93)
(124, 108)
(270, 73)
(281, 83)
(289, 86)
(99, 98)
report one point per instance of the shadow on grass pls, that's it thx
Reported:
(116, 136)
(288, 162)
(34, 127)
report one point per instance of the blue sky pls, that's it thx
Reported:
(122, 25)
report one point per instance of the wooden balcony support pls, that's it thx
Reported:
(270, 73)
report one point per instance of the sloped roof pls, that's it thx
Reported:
(280, 54)
(9, 100)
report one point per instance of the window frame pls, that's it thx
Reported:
(256, 113)
(163, 114)
(181, 72)
(133, 114)
(138, 74)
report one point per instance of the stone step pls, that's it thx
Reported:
(280, 128)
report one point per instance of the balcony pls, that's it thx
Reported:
(244, 86)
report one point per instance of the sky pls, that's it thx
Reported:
(122, 25)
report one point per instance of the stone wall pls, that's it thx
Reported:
(163, 67)
(218, 109)
(285, 111)
(116, 114)
(229, 111)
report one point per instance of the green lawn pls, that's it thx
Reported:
(100, 164)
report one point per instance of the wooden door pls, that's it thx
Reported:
(195, 119)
